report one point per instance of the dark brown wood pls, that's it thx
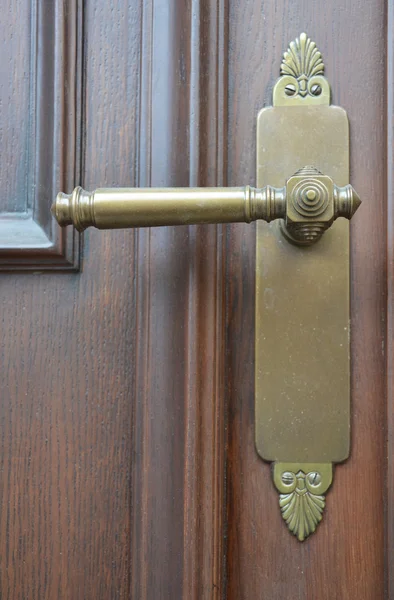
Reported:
(389, 341)
(128, 467)
(113, 425)
(179, 415)
(40, 120)
(346, 557)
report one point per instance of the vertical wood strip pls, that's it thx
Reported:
(182, 142)
(206, 409)
(140, 456)
(390, 302)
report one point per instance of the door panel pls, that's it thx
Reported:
(40, 129)
(128, 466)
(345, 557)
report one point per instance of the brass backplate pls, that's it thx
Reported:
(302, 299)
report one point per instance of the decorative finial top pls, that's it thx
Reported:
(302, 59)
(302, 78)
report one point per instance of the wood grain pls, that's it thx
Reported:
(127, 459)
(179, 418)
(390, 302)
(346, 557)
(67, 385)
(113, 419)
(40, 131)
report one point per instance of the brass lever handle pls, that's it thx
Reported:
(152, 207)
(309, 204)
(302, 373)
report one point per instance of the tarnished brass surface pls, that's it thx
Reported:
(302, 395)
(151, 207)
(302, 400)
(309, 204)
(302, 82)
(313, 202)
(301, 499)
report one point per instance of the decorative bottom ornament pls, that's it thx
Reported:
(301, 499)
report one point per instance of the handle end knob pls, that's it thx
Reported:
(61, 209)
(346, 201)
(74, 209)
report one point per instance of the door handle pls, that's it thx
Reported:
(308, 205)
(302, 389)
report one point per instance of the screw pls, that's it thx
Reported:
(314, 478)
(288, 478)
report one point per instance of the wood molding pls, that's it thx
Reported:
(390, 303)
(180, 329)
(30, 239)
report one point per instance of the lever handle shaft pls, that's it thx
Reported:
(308, 204)
(117, 208)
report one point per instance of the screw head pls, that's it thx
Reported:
(314, 478)
(288, 478)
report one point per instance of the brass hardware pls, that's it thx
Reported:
(309, 203)
(302, 392)
(153, 207)
(301, 500)
(302, 80)
(314, 202)
(302, 293)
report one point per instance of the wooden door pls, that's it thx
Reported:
(128, 466)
